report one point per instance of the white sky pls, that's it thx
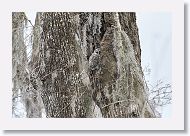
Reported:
(155, 40)
(31, 16)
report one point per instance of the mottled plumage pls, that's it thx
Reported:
(94, 60)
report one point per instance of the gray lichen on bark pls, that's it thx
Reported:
(62, 46)
(24, 89)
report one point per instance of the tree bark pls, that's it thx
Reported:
(65, 93)
(70, 90)
(19, 74)
(63, 45)
(23, 85)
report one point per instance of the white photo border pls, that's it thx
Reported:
(175, 122)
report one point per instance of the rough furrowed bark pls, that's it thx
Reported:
(23, 85)
(19, 74)
(34, 69)
(119, 87)
(64, 94)
(73, 84)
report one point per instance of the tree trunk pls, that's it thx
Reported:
(19, 73)
(65, 88)
(23, 84)
(70, 86)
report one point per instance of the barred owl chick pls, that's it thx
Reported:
(94, 60)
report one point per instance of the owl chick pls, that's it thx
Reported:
(94, 60)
